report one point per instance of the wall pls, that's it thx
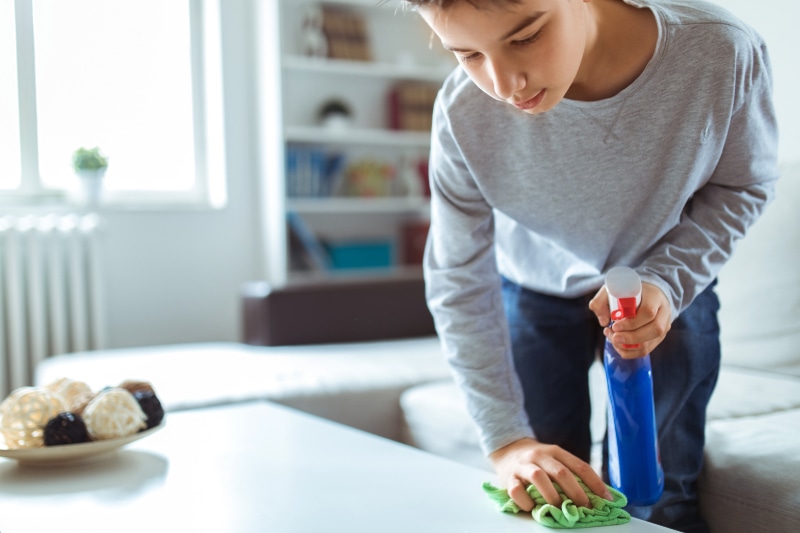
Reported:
(174, 277)
(776, 21)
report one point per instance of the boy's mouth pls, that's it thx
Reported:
(533, 102)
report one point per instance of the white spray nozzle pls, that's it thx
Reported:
(624, 290)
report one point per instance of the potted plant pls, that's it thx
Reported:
(90, 166)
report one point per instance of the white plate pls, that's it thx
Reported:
(72, 453)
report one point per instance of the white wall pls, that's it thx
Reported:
(776, 21)
(174, 277)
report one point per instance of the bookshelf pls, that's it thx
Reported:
(359, 205)
(353, 177)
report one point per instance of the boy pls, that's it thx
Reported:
(579, 135)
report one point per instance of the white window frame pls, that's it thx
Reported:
(207, 108)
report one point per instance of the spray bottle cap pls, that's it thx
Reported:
(624, 290)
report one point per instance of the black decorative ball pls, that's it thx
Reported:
(65, 428)
(151, 406)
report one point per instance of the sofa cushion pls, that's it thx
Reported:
(436, 419)
(759, 288)
(742, 392)
(750, 478)
(357, 384)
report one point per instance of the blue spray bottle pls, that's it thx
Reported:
(634, 465)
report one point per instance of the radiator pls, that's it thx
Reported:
(51, 292)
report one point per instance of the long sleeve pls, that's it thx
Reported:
(691, 255)
(463, 290)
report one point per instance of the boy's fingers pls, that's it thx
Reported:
(589, 477)
(516, 489)
(599, 306)
(593, 481)
(566, 480)
(636, 341)
(541, 479)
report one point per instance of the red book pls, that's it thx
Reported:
(413, 238)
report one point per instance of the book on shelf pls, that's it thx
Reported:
(306, 250)
(299, 259)
(410, 106)
(312, 172)
(346, 32)
(413, 237)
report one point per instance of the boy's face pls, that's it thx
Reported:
(527, 54)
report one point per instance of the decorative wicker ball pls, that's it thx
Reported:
(112, 414)
(80, 403)
(133, 386)
(69, 389)
(25, 413)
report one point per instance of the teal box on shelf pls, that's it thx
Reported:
(360, 254)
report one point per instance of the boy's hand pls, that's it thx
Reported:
(637, 336)
(529, 462)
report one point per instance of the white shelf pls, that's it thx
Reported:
(358, 205)
(358, 136)
(362, 4)
(367, 69)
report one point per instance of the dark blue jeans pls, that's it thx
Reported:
(555, 341)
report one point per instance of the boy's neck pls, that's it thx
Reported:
(618, 51)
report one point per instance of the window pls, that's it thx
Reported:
(141, 80)
(9, 116)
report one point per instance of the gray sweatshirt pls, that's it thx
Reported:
(664, 177)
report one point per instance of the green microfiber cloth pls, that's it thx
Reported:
(569, 515)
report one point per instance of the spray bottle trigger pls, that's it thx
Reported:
(626, 309)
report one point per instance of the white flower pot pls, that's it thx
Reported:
(91, 186)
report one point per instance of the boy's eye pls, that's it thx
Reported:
(469, 57)
(528, 40)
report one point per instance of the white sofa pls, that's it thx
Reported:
(751, 477)
(400, 388)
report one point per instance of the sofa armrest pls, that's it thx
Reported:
(335, 310)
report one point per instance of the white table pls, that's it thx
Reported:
(258, 467)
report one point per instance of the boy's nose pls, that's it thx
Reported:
(507, 81)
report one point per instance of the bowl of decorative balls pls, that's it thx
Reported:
(66, 422)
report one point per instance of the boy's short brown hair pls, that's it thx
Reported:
(444, 4)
